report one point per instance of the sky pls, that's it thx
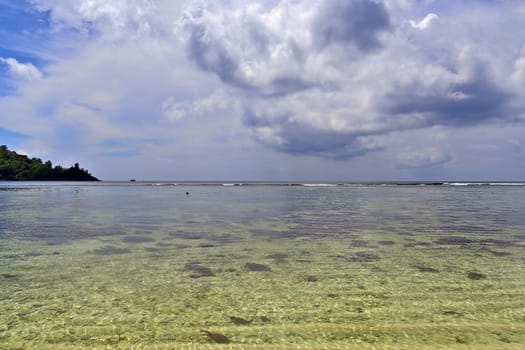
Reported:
(274, 90)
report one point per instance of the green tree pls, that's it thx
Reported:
(15, 166)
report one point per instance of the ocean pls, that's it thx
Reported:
(178, 265)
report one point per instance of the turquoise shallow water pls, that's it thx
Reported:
(141, 265)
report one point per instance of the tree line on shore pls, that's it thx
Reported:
(14, 166)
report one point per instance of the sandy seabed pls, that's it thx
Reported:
(366, 290)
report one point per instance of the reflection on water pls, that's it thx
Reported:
(261, 267)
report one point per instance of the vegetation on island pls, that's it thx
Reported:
(14, 166)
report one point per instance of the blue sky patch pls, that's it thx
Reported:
(22, 27)
(12, 139)
(19, 16)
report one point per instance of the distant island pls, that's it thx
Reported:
(14, 167)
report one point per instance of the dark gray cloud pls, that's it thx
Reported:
(258, 36)
(211, 56)
(302, 139)
(466, 103)
(253, 119)
(284, 85)
(357, 22)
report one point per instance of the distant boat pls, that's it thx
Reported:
(132, 180)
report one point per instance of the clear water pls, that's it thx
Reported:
(138, 266)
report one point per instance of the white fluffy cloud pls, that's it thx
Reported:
(23, 71)
(115, 18)
(425, 22)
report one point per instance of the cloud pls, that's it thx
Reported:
(23, 71)
(356, 22)
(272, 52)
(252, 47)
(425, 22)
(111, 19)
(174, 110)
(422, 158)
(329, 81)
(104, 91)
(320, 82)
(515, 145)
(468, 102)
(518, 76)
(268, 53)
(286, 135)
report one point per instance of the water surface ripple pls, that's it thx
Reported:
(261, 266)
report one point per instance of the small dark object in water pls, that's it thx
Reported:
(152, 250)
(364, 257)
(496, 252)
(9, 276)
(189, 235)
(462, 339)
(423, 268)
(174, 245)
(187, 193)
(216, 337)
(224, 238)
(454, 240)
(264, 319)
(386, 242)
(275, 234)
(360, 243)
(311, 279)
(199, 269)
(476, 276)
(110, 250)
(240, 321)
(256, 267)
(417, 244)
(206, 245)
(278, 257)
(452, 313)
(34, 253)
(137, 239)
(182, 246)
(505, 340)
